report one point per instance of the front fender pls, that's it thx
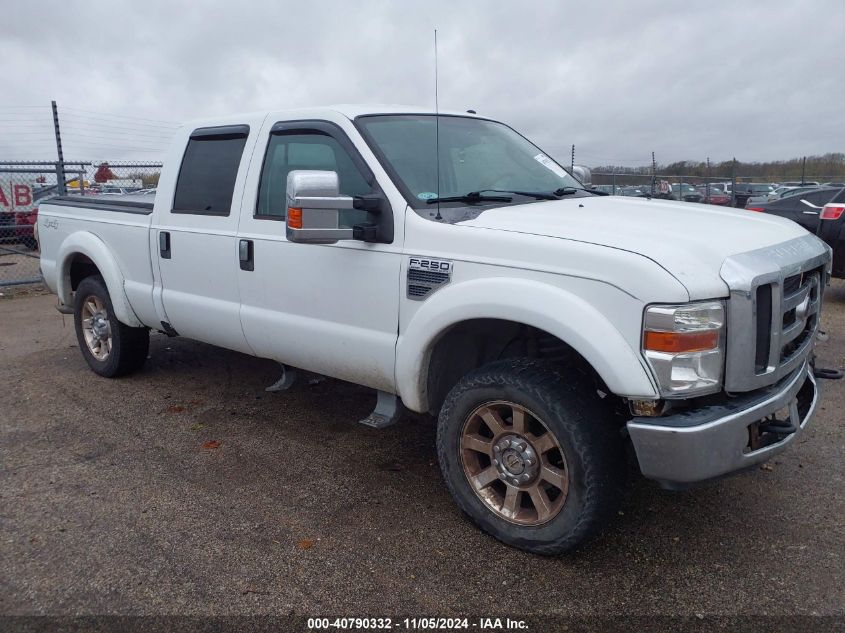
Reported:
(96, 250)
(548, 308)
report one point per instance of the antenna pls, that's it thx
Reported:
(436, 128)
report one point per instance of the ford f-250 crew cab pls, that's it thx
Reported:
(452, 266)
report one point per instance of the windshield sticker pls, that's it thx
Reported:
(549, 164)
(426, 195)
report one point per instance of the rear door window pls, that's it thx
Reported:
(209, 170)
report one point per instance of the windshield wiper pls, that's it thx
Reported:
(471, 197)
(537, 195)
(568, 191)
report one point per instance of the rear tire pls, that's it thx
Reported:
(110, 347)
(531, 454)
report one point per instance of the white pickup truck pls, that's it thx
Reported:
(455, 268)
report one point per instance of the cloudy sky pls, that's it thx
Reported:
(687, 80)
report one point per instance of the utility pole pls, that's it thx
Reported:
(60, 165)
(653, 173)
(708, 180)
(733, 182)
(803, 170)
(572, 161)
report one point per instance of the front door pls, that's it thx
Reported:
(328, 308)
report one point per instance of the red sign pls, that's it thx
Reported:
(16, 197)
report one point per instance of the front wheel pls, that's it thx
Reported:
(110, 347)
(531, 455)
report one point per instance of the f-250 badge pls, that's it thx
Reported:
(426, 275)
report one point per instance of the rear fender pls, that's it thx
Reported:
(88, 244)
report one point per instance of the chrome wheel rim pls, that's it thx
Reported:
(514, 463)
(96, 328)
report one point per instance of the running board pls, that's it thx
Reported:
(388, 411)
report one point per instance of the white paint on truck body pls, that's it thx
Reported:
(582, 269)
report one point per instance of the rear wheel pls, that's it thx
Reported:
(531, 455)
(110, 347)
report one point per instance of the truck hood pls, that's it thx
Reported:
(690, 241)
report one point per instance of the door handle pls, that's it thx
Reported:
(245, 255)
(164, 244)
(810, 212)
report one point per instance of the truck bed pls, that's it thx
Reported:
(115, 224)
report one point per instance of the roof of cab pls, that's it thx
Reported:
(356, 110)
(350, 111)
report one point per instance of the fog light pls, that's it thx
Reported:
(646, 408)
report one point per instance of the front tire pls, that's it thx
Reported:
(531, 455)
(110, 347)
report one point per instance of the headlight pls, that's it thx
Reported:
(685, 347)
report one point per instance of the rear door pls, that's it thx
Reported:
(195, 236)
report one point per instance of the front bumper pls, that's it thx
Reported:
(693, 446)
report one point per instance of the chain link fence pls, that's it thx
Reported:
(667, 186)
(721, 191)
(25, 185)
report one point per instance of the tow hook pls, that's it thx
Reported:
(827, 374)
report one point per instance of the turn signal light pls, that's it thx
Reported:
(676, 342)
(832, 211)
(295, 217)
(757, 209)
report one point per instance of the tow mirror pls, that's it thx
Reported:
(314, 204)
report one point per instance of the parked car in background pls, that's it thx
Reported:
(715, 195)
(778, 192)
(109, 190)
(803, 208)
(145, 192)
(608, 189)
(834, 184)
(798, 183)
(832, 230)
(797, 191)
(770, 197)
(686, 192)
(744, 190)
(637, 192)
(25, 228)
(17, 226)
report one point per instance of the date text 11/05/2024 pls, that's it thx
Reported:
(413, 624)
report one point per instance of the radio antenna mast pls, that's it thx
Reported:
(437, 128)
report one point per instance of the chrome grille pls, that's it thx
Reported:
(773, 311)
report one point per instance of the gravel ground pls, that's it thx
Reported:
(188, 489)
(17, 263)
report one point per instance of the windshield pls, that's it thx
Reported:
(475, 155)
